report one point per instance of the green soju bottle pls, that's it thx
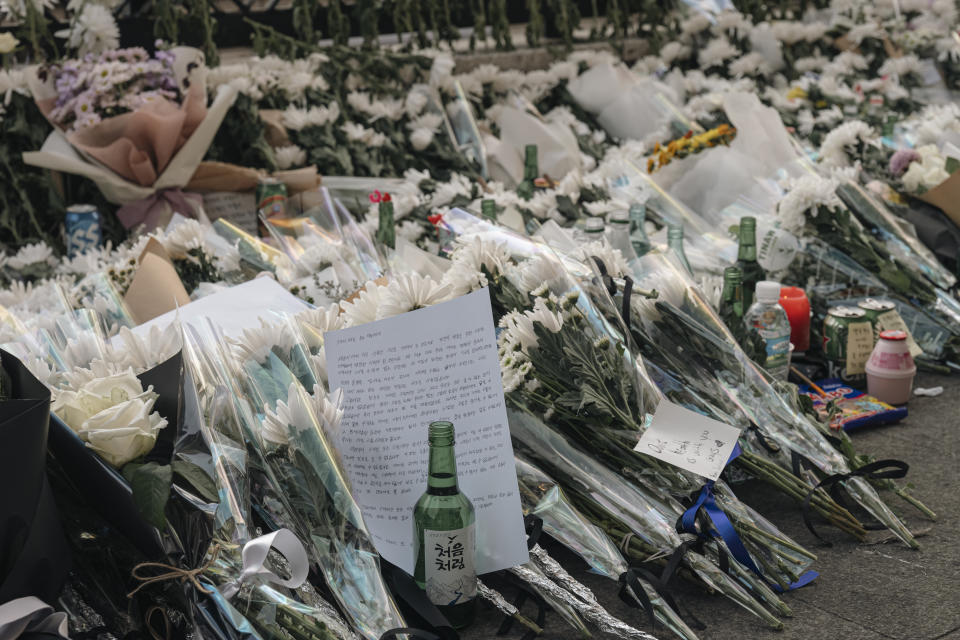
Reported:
(445, 534)
(731, 300)
(386, 232)
(675, 244)
(488, 209)
(638, 231)
(530, 172)
(747, 259)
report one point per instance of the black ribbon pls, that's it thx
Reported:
(611, 287)
(765, 441)
(523, 594)
(605, 276)
(415, 601)
(661, 584)
(533, 525)
(873, 471)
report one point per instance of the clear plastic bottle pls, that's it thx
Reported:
(593, 230)
(771, 322)
(618, 233)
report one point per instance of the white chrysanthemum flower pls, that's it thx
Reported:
(861, 32)
(328, 410)
(421, 138)
(735, 22)
(470, 257)
(674, 51)
(93, 31)
(804, 195)
(750, 64)
(358, 133)
(146, 350)
(837, 143)
(812, 63)
(408, 292)
(82, 350)
(926, 173)
(415, 103)
(290, 156)
(75, 378)
(186, 235)
(295, 413)
(363, 307)
(612, 259)
(901, 66)
(257, 343)
(695, 24)
(542, 314)
(540, 271)
(322, 319)
(36, 253)
(716, 52)
(389, 108)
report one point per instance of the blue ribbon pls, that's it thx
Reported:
(724, 528)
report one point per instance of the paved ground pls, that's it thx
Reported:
(866, 591)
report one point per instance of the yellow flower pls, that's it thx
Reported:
(796, 92)
(8, 42)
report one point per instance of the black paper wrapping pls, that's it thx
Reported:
(34, 558)
(109, 490)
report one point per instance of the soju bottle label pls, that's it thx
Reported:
(449, 565)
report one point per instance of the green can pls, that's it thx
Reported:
(271, 197)
(874, 308)
(836, 333)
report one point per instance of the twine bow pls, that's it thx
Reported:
(172, 573)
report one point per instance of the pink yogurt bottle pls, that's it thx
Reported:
(890, 369)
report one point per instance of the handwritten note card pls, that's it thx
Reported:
(859, 346)
(891, 321)
(688, 440)
(400, 374)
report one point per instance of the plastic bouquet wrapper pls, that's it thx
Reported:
(331, 254)
(294, 471)
(138, 138)
(561, 359)
(543, 498)
(679, 332)
(520, 124)
(616, 95)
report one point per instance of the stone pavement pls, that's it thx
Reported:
(870, 591)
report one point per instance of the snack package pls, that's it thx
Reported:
(857, 409)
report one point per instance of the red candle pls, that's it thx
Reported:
(794, 301)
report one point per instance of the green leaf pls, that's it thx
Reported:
(952, 165)
(198, 479)
(151, 489)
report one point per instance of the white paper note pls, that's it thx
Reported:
(240, 208)
(397, 376)
(891, 321)
(688, 440)
(233, 309)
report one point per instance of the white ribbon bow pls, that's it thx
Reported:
(255, 554)
(30, 614)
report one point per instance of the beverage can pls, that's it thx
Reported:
(82, 227)
(873, 308)
(271, 197)
(847, 343)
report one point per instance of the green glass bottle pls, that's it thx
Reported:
(731, 300)
(445, 534)
(747, 259)
(675, 244)
(386, 232)
(531, 172)
(488, 209)
(638, 231)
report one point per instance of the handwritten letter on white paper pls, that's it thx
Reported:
(397, 376)
(688, 440)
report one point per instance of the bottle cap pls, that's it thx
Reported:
(619, 216)
(593, 225)
(894, 334)
(748, 221)
(768, 291)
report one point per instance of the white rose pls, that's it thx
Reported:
(124, 432)
(933, 176)
(113, 416)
